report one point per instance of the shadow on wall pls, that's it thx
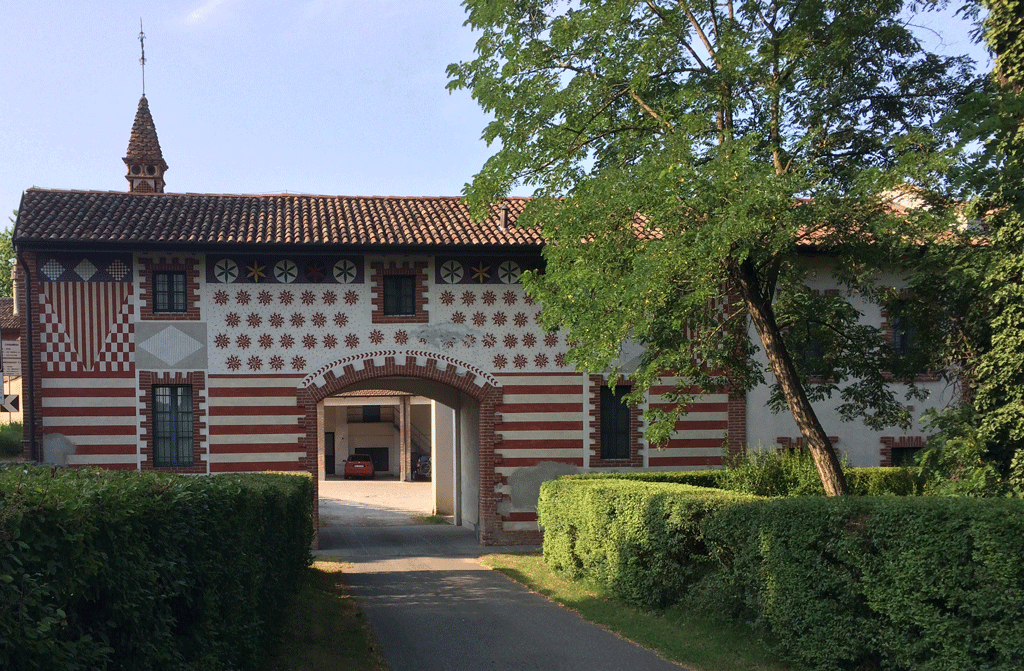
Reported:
(525, 483)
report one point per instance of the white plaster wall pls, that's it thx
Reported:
(442, 465)
(469, 447)
(860, 444)
(273, 328)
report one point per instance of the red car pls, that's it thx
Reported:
(359, 466)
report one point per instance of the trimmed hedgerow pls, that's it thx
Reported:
(702, 478)
(846, 583)
(104, 570)
(639, 541)
(905, 584)
(771, 474)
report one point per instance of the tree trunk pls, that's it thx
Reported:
(763, 317)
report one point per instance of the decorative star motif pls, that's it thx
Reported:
(315, 272)
(481, 273)
(256, 272)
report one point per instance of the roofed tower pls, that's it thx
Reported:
(145, 161)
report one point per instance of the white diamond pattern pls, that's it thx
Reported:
(171, 345)
(118, 270)
(85, 269)
(53, 269)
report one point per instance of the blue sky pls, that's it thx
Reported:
(248, 96)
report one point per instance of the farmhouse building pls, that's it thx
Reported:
(215, 333)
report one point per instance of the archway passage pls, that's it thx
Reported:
(472, 393)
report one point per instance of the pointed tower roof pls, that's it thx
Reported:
(144, 159)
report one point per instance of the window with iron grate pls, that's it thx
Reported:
(172, 426)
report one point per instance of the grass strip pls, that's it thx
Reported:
(691, 639)
(324, 629)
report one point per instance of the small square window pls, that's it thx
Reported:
(169, 292)
(371, 413)
(172, 426)
(400, 295)
(615, 421)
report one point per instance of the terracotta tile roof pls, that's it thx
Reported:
(8, 321)
(143, 146)
(106, 218)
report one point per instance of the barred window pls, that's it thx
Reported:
(169, 292)
(172, 426)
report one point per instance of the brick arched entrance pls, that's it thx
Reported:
(484, 388)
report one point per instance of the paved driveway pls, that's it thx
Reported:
(433, 607)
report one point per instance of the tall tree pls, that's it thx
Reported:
(1000, 393)
(7, 258)
(684, 153)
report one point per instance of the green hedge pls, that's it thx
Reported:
(10, 439)
(702, 478)
(882, 480)
(781, 478)
(889, 583)
(639, 541)
(915, 583)
(104, 570)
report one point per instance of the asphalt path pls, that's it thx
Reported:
(433, 606)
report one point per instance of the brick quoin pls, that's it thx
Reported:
(636, 459)
(189, 266)
(345, 373)
(378, 270)
(889, 443)
(198, 381)
(27, 297)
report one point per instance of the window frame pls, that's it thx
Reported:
(174, 309)
(616, 424)
(399, 295)
(172, 298)
(174, 426)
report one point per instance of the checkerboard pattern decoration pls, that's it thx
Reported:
(85, 316)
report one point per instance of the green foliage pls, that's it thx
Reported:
(103, 570)
(792, 473)
(668, 144)
(773, 473)
(1004, 26)
(880, 582)
(639, 541)
(7, 259)
(704, 478)
(882, 481)
(10, 439)
(854, 583)
(998, 172)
